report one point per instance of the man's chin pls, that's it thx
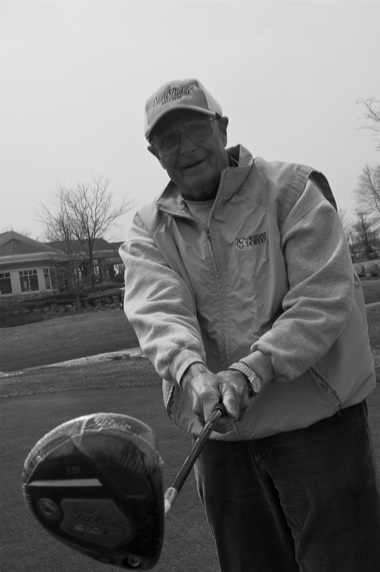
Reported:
(195, 168)
(200, 189)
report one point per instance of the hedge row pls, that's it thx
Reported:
(53, 305)
(31, 305)
(369, 270)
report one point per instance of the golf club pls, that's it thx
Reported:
(95, 483)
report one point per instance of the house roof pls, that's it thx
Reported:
(13, 243)
(100, 245)
(116, 245)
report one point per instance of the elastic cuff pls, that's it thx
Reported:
(182, 361)
(261, 364)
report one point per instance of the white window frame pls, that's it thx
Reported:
(26, 274)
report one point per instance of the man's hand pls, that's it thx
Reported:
(207, 389)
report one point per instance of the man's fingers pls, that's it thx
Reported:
(235, 404)
(204, 405)
(224, 425)
(235, 399)
(207, 390)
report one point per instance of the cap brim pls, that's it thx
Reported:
(175, 108)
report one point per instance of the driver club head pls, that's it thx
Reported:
(96, 484)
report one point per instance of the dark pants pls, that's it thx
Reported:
(306, 500)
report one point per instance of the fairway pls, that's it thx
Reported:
(103, 330)
(69, 337)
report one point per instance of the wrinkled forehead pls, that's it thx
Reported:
(175, 120)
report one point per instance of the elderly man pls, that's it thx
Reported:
(240, 287)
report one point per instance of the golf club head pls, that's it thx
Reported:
(96, 484)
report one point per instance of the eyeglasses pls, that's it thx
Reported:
(197, 131)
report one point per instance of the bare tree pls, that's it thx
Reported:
(83, 214)
(365, 232)
(62, 239)
(372, 117)
(368, 188)
(347, 226)
(368, 191)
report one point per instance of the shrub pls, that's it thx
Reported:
(101, 297)
(33, 304)
(360, 270)
(53, 305)
(374, 270)
(101, 287)
(60, 296)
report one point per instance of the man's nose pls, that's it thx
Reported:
(185, 144)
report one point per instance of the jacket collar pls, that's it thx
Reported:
(232, 178)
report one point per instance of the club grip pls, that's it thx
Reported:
(218, 411)
(172, 492)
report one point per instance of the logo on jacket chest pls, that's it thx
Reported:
(254, 240)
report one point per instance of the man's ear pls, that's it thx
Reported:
(154, 152)
(223, 123)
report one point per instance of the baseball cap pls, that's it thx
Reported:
(179, 94)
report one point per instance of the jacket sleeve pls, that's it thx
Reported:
(320, 295)
(160, 306)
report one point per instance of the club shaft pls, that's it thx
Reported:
(172, 492)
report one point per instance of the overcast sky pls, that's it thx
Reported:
(75, 77)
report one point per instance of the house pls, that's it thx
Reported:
(25, 265)
(106, 260)
(29, 267)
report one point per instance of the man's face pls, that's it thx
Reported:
(194, 167)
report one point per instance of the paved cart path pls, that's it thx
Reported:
(24, 545)
(26, 419)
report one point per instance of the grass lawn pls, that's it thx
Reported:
(371, 289)
(373, 317)
(105, 330)
(78, 335)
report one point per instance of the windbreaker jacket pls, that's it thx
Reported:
(269, 280)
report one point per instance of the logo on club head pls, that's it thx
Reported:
(48, 509)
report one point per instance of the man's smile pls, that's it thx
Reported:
(193, 164)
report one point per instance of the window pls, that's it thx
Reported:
(47, 279)
(118, 268)
(5, 283)
(28, 280)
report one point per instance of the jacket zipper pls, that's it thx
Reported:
(224, 350)
(189, 216)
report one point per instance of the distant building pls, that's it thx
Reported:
(29, 267)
